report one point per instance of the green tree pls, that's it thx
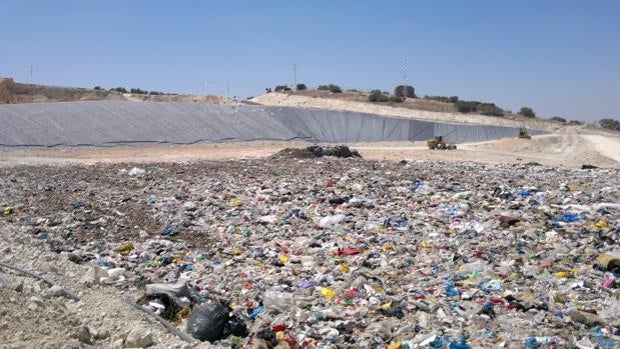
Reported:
(527, 112)
(404, 91)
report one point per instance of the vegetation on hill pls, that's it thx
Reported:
(610, 124)
(452, 99)
(279, 88)
(404, 91)
(558, 119)
(527, 112)
(331, 87)
(378, 96)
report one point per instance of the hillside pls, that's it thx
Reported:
(13, 92)
(420, 109)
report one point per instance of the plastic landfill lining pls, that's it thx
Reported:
(109, 123)
(343, 253)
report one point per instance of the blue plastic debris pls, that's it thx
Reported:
(462, 345)
(256, 312)
(523, 192)
(451, 291)
(530, 343)
(170, 230)
(492, 285)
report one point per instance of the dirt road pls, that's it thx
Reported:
(571, 150)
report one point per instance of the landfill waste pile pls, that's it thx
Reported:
(332, 253)
(317, 151)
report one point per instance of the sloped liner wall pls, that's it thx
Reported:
(109, 123)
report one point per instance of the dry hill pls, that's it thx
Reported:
(12, 92)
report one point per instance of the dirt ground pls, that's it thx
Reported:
(570, 150)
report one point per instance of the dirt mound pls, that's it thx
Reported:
(6, 91)
(317, 151)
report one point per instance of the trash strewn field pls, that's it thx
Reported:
(312, 253)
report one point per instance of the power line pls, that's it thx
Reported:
(404, 66)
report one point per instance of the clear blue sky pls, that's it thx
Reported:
(561, 57)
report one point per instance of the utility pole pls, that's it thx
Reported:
(31, 74)
(294, 75)
(404, 64)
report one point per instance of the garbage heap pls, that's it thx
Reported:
(343, 253)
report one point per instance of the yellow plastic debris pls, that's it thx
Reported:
(386, 306)
(344, 268)
(235, 202)
(10, 210)
(328, 293)
(562, 274)
(280, 335)
(394, 345)
(602, 224)
(574, 187)
(284, 259)
(125, 247)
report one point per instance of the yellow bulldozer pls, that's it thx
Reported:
(440, 144)
(523, 133)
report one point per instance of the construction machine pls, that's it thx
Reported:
(523, 133)
(439, 143)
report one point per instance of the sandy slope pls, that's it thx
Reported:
(294, 100)
(607, 146)
(291, 100)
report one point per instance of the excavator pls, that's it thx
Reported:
(440, 144)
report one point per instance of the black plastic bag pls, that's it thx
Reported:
(207, 322)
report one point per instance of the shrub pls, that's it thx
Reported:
(378, 96)
(282, 88)
(156, 93)
(610, 124)
(138, 91)
(452, 99)
(97, 88)
(397, 99)
(301, 87)
(119, 89)
(558, 119)
(527, 112)
(331, 87)
(405, 91)
(466, 106)
(489, 109)
(574, 122)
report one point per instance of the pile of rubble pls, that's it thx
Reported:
(317, 151)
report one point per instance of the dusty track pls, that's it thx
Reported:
(552, 150)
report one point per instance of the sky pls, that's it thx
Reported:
(559, 57)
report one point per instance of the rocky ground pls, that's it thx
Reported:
(315, 253)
